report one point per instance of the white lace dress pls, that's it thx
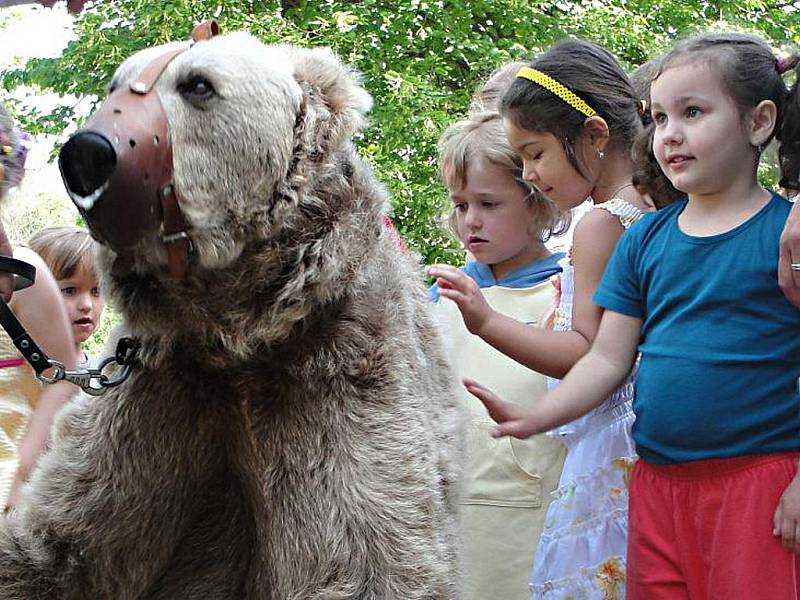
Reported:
(581, 553)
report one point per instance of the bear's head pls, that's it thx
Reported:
(263, 164)
(244, 122)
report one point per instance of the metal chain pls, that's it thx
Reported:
(124, 356)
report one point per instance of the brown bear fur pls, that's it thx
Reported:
(290, 429)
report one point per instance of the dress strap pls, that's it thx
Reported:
(626, 212)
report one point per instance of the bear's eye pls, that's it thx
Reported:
(197, 89)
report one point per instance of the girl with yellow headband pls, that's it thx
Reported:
(572, 116)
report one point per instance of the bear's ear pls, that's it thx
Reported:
(335, 102)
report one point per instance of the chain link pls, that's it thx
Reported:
(124, 356)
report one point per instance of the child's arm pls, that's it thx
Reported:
(788, 279)
(515, 339)
(552, 353)
(786, 519)
(41, 311)
(592, 379)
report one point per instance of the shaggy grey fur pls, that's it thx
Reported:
(290, 431)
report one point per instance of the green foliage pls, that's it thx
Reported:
(421, 61)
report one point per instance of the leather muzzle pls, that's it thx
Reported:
(118, 168)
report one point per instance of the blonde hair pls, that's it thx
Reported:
(481, 135)
(64, 249)
(488, 96)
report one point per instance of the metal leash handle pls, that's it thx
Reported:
(85, 378)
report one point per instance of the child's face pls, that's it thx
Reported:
(546, 166)
(83, 302)
(699, 140)
(493, 219)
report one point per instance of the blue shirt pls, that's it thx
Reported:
(720, 343)
(526, 276)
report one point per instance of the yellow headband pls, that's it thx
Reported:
(558, 89)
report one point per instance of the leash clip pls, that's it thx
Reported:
(85, 378)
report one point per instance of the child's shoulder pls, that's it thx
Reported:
(782, 204)
(657, 220)
(608, 221)
(625, 212)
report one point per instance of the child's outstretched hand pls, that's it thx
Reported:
(512, 419)
(787, 517)
(462, 289)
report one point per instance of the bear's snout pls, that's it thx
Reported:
(87, 162)
(115, 168)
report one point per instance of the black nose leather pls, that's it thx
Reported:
(86, 162)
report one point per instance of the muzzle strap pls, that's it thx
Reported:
(147, 78)
(175, 237)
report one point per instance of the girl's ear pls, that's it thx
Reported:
(595, 130)
(761, 122)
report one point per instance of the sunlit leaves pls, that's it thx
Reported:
(420, 59)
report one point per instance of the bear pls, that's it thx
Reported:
(289, 428)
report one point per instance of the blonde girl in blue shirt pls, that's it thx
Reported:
(506, 484)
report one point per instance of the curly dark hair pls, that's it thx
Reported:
(647, 174)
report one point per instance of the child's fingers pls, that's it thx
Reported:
(454, 277)
(518, 428)
(481, 393)
(489, 399)
(788, 527)
(446, 271)
(777, 519)
(499, 410)
(509, 416)
(443, 283)
(451, 294)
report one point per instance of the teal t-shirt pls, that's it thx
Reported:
(720, 343)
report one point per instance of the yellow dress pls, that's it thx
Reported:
(19, 394)
(507, 483)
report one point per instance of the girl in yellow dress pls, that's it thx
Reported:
(26, 407)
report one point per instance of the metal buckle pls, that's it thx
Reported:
(85, 378)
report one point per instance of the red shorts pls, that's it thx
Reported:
(703, 530)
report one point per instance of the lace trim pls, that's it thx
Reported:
(626, 212)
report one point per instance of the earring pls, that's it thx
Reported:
(600, 154)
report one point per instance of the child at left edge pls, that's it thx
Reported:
(68, 252)
(507, 484)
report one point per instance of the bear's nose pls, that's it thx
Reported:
(87, 162)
